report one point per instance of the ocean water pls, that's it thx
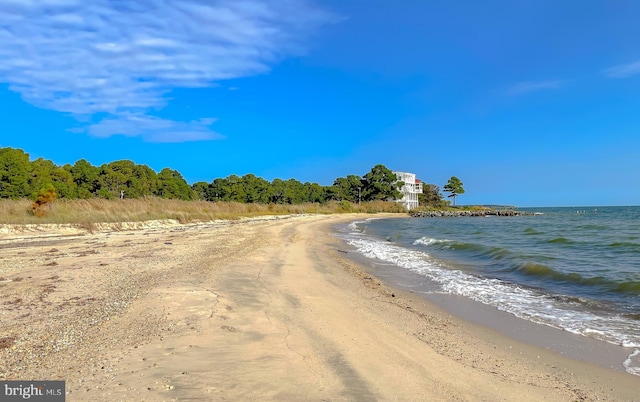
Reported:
(576, 269)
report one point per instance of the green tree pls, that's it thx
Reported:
(171, 184)
(430, 196)
(62, 181)
(346, 188)
(236, 189)
(143, 182)
(124, 175)
(380, 184)
(113, 178)
(40, 175)
(86, 177)
(256, 189)
(454, 188)
(44, 173)
(278, 187)
(219, 190)
(15, 170)
(294, 192)
(202, 190)
(315, 193)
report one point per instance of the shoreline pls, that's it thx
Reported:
(591, 358)
(574, 346)
(263, 310)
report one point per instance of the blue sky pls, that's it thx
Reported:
(529, 103)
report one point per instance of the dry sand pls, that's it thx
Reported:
(265, 309)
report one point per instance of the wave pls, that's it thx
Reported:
(545, 272)
(532, 231)
(582, 301)
(625, 244)
(445, 244)
(632, 364)
(427, 241)
(498, 253)
(632, 316)
(561, 240)
(354, 225)
(593, 227)
(507, 261)
(467, 246)
(628, 287)
(493, 253)
(524, 302)
(576, 274)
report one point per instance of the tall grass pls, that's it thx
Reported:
(135, 210)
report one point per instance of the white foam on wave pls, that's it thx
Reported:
(356, 226)
(522, 302)
(427, 241)
(632, 364)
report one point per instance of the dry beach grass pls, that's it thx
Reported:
(92, 211)
(257, 309)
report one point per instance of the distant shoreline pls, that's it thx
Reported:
(474, 213)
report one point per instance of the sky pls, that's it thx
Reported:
(528, 103)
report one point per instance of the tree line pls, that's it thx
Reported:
(22, 178)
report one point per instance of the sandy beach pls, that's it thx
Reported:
(262, 309)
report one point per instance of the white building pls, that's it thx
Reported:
(412, 187)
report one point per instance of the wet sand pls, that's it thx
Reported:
(257, 310)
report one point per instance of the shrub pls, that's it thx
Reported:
(45, 197)
(345, 206)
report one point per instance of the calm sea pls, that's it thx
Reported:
(577, 269)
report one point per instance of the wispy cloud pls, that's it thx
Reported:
(120, 58)
(623, 70)
(532, 86)
(153, 128)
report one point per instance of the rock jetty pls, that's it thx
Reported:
(482, 212)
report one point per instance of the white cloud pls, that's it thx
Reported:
(154, 129)
(623, 70)
(532, 86)
(121, 58)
